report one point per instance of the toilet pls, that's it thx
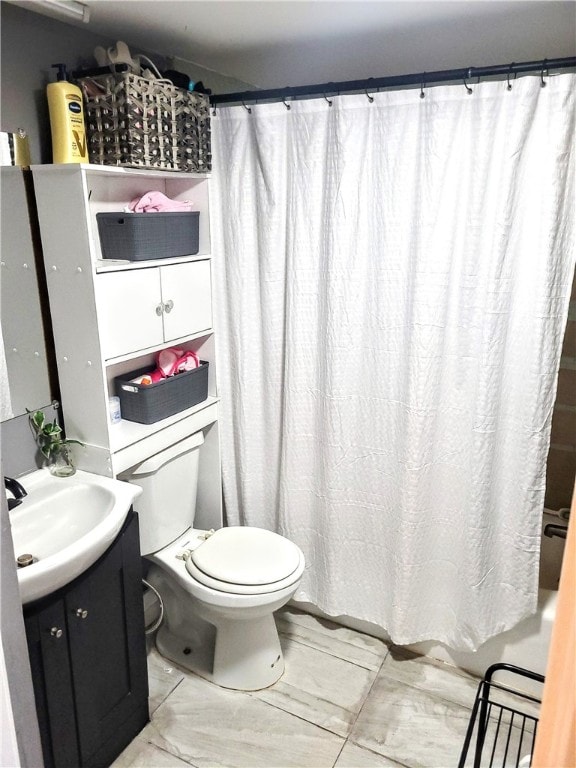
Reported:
(219, 588)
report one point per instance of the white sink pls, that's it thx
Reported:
(65, 523)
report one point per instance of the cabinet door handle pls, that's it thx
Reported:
(159, 309)
(56, 632)
(81, 613)
(169, 306)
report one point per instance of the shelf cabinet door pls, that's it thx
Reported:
(107, 648)
(141, 308)
(186, 297)
(46, 635)
(87, 653)
(130, 311)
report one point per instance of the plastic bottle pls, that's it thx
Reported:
(66, 120)
(114, 410)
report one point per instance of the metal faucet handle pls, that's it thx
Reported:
(17, 491)
(15, 488)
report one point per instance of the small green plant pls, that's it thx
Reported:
(49, 435)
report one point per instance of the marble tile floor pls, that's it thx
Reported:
(346, 700)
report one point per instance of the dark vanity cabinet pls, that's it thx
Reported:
(88, 656)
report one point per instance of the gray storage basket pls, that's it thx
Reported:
(141, 236)
(147, 404)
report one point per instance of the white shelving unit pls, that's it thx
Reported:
(109, 317)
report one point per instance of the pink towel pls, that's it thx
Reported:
(157, 202)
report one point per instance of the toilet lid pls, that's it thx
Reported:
(246, 556)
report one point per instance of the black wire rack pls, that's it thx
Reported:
(502, 728)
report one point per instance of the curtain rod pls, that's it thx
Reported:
(375, 83)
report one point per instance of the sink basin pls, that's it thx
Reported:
(65, 523)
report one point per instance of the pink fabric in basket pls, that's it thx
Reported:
(157, 202)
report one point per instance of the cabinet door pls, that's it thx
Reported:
(130, 311)
(187, 299)
(47, 639)
(108, 651)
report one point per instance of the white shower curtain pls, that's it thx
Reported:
(392, 288)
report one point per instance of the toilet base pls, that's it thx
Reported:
(233, 648)
(242, 655)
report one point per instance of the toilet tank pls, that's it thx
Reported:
(169, 481)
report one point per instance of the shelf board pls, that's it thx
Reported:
(127, 433)
(111, 170)
(106, 170)
(134, 355)
(119, 265)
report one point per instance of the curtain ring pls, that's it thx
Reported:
(327, 99)
(214, 110)
(369, 96)
(509, 86)
(542, 81)
(286, 104)
(422, 84)
(468, 89)
(248, 109)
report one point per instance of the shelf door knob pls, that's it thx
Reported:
(56, 632)
(169, 306)
(159, 309)
(81, 613)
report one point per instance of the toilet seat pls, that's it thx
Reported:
(245, 561)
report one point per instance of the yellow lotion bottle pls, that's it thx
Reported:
(66, 120)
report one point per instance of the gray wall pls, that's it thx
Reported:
(19, 450)
(214, 80)
(31, 43)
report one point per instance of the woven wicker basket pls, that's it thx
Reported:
(146, 124)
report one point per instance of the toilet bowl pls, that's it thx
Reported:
(224, 630)
(219, 588)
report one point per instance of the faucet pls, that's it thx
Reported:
(16, 490)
